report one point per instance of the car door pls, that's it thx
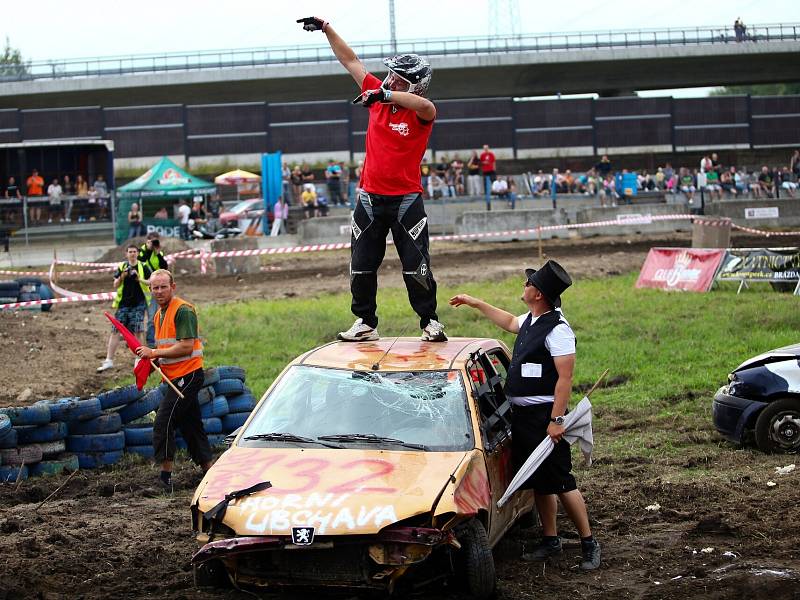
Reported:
(488, 371)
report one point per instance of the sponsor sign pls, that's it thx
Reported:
(685, 269)
(634, 219)
(762, 212)
(761, 264)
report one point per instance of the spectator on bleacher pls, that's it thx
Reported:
(308, 198)
(425, 176)
(322, 206)
(488, 173)
(82, 193)
(671, 182)
(603, 167)
(786, 182)
(740, 183)
(539, 183)
(500, 188)
(296, 179)
(101, 189)
(669, 172)
(12, 189)
(766, 181)
(554, 187)
(436, 185)
(450, 181)
(794, 164)
(659, 179)
(755, 184)
(474, 175)
(713, 184)
(687, 184)
(458, 174)
(727, 183)
(184, 213)
(333, 175)
(68, 191)
(54, 193)
(135, 226)
(607, 191)
(648, 183)
(568, 182)
(307, 172)
(705, 163)
(34, 188)
(344, 181)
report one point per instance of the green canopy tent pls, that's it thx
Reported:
(160, 187)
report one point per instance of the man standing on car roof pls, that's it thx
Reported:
(180, 355)
(538, 385)
(390, 197)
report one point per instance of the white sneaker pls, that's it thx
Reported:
(433, 332)
(107, 364)
(359, 332)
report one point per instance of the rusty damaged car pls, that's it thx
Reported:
(370, 466)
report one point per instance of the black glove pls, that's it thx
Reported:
(370, 97)
(313, 23)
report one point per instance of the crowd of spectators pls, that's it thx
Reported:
(62, 200)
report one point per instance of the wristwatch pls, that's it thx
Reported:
(557, 420)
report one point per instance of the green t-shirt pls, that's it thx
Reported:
(712, 177)
(185, 322)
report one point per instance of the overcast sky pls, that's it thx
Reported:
(54, 29)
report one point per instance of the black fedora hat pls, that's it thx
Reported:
(551, 280)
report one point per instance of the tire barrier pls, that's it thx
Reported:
(54, 436)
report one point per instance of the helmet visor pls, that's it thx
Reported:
(394, 82)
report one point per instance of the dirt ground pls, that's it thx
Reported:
(722, 533)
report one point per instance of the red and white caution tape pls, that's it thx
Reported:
(78, 298)
(764, 233)
(76, 263)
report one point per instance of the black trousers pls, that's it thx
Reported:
(374, 217)
(185, 415)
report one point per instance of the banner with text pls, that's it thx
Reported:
(684, 269)
(761, 264)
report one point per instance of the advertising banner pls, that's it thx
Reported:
(684, 269)
(761, 264)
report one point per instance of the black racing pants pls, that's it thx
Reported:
(374, 216)
(185, 415)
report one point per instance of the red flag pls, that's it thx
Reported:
(143, 367)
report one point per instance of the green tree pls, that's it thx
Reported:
(765, 89)
(11, 62)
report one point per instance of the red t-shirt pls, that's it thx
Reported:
(396, 143)
(487, 162)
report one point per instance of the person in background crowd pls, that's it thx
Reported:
(309, 200)
(794, 165)
(101, 189)
(184, 215)
(737, 30)
(333, 174)
(474, 175)
(82, 193)
(12, 190)
(437, 186)
(280, 213)
(296, 179)
(400, 123)
(286, 176)
(488, 173)
(344, 190)
(786, 182)
(686, 183)
(68, 192)
(198, 216)
(754, 184)
(713, 185)
(214, 206)
(308, 174)
(554, 187)
(500, 188)
(356, 184)
(458, 175)
(603, 168)
(739, 181)
(726, 183)
(54, 193)
(539, 183)
(135, 227)
(425, 176)
(766, 181)
(161, 213)
(150, 254)
(322, 205)
(130, 301)
(180, 355)
(34, 187)
(539, 385)
(450, 182)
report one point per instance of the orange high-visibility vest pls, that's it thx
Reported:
(165, 337)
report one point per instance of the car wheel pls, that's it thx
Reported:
(475, 561)
(210, 574)
(778, 426)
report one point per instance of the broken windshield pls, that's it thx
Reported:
(418, 408)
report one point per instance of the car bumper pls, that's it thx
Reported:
(732, 414)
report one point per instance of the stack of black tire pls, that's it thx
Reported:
(25, 290)
(71, 433)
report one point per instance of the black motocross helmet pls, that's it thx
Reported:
(411, 68)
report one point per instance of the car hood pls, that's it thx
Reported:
(777, 355)
(347, 491)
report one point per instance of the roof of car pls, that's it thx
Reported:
(393, 354)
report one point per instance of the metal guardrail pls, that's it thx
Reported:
(261, 57)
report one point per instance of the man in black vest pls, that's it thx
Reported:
(538, 385)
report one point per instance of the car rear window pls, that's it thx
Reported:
(428, 408)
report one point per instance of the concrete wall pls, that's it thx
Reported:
(620, 213)
(788, 212)
(324, 230)
(504, 220)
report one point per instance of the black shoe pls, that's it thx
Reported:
(165, 487)
(591, 556)
(543, 550)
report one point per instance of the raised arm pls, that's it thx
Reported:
(498, 316)
(340, 48)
